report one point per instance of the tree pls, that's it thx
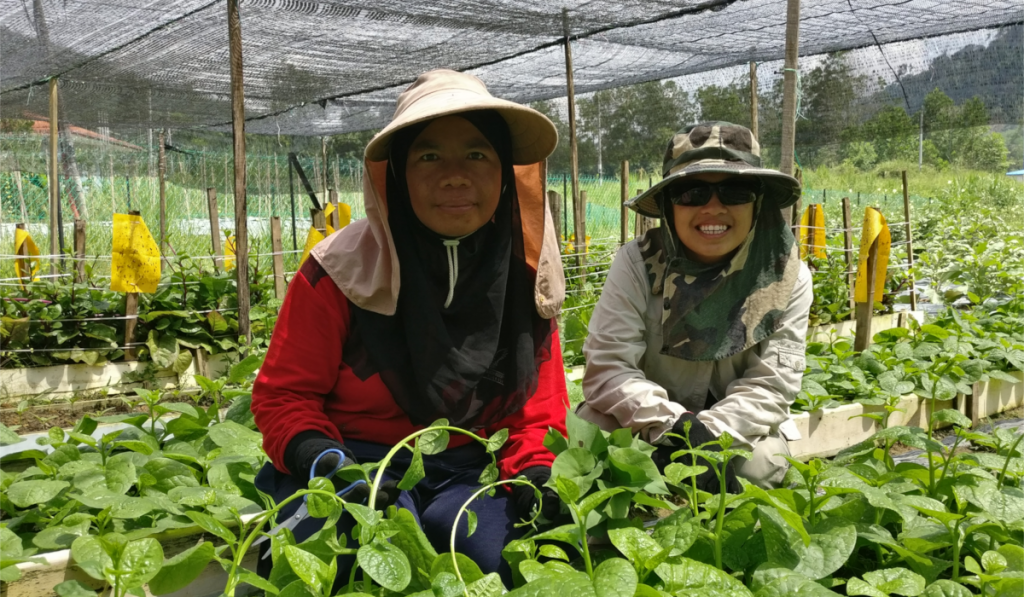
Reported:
(636, 122)
(729, 103)
(830, 93)
(893, 133)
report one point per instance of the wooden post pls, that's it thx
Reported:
(276, 247)
(851, 277)
(789, 82)
(162, 170)
(753, 99)
(623, 210)
(79, 250)
(131, 311)
(291, 194)
(638, 223)
(910, 243)
(53, 180)
(574, 166)
(864, 310)
(555, 204)
(335, 216)
(238, 133)
(24, 251)
(318, 219)
(581, 231)
(211, 202)
(21, 195)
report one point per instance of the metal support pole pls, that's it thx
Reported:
(238, 134)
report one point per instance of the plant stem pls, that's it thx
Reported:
(245, 541)
(382, 465)
(720, 515)
(586, 547)
(1009, 455)
(458, 515)
(956, 551)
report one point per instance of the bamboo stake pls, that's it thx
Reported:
(574, 165)
(211, 202)
(851, 278)
(910, 243)
(623, 210)
(753, 99)
(789, 82)
(131, 311)
(79, 250)
(864, 310)
(238, 133)
(276, 247)
(52, 181)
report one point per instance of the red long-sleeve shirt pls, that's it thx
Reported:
(305, 385)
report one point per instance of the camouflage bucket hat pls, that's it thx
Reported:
(716, 147)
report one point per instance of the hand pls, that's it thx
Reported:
(387, 494)
(525, 499)
(699, 435)
(303, 450)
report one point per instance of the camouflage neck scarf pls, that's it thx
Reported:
(714, 311)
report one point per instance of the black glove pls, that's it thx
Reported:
(699, 434)
(525, 500)
(302, 451)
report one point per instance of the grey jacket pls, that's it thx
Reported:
(628, 379)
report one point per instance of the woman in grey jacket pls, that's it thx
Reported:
(703, 319)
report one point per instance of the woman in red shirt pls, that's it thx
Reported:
(439, 304)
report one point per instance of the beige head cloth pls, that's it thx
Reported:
(361, 258)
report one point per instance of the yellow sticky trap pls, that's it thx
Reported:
(135, 260)
(229, 253)
(874, 227)
(26, 268)
(312, 238)
(812, 232)
(344, 215)
(327, 218)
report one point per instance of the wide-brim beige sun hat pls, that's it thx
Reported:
(445, 92)
(716, 148)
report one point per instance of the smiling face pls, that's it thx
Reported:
(710, 233)
(454, 177)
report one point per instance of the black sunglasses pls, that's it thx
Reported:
(696, 193)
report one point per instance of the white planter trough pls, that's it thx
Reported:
(826, 432)
(38, 580)
(879, 323)
(59, 382)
